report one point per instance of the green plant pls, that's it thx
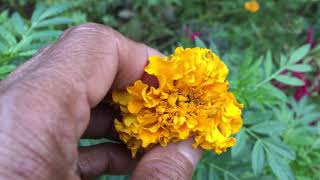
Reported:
(20, 38)
(277, 139)
(261, 144)
(303, 138)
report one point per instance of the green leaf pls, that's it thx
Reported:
(212, 174)
(316, 145)
(279, 167)
(28, 53)
(37, 13)
(54, 10)
(200, 172)
(18, 24)
(200, 43)
(269, 128)
(23, 43)
(112, 177)
(214, 48)
(301, 136)
(289, 80)
(307, 118)
(240, 143)
(257, 158)
(7, 69)
(275, 92)
(255, 117)
(90, 142)
(300, 68)
(45, 35)
(248, 56)
(257, 63)
(278, 147)
(55, 21)
(299, 54)
(283, 60)
(8, 36)
(4, 15)
(2, 47)
(268, 63)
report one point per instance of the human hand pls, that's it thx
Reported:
(55, 98)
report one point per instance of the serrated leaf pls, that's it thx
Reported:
(248, 56)
(7, 69)
(279, 167)
(301, 136)
(45, 35)
(257, 157)
(283, 60)
(254, 117)
(214, 48)
(269, 127)
(17, 23)
(23, 43)
(54, 10)
(240, 143)
(279, 148)
(268, 64)
(277, 93)
(299, 54)
(308, 108)
(226, 176)
(7, 36)
(289, 80)
(55, 21)
(300, 68)
(200, 172)
(2, 47)
(212, 174)
(28, 53)
(257, 63)
(316, 144)
(4, 14)
(307, 118)
(35, 45)
(37, 13)
(90, 142)
(200, 43)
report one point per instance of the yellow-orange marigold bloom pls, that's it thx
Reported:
(192, 100)
(252, 6)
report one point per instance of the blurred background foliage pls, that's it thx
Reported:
(272, 55)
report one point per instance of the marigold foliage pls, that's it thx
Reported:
(252, 6)
(192, 100)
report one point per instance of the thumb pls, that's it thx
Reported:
(177, 161)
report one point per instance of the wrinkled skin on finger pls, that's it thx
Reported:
(52, 100)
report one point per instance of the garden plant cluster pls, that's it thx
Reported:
(270, 48)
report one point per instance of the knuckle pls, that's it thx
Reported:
(91, 28)
(89, 37)
(170, 167)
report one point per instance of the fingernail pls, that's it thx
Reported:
(153, 52)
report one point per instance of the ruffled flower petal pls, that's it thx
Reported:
(192, 100)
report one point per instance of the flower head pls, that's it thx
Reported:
(252, 6)
(192, 100)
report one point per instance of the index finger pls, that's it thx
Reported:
(76, 72)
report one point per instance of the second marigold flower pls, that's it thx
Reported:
(252, 6)
(192, 100)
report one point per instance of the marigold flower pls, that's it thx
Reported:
(252, 6)
(192, 100)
